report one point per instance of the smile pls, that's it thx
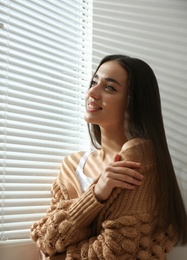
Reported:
(93, 106)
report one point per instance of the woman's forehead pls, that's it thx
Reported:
(112, 70)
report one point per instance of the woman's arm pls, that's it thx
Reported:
(66, 221)
(127, 237)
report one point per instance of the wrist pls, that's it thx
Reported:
(97, 195)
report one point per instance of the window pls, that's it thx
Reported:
(46, 66)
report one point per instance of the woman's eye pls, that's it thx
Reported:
(93, 83)
(110, 88)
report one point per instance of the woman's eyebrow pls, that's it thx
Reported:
(107, 79)
(112, 80)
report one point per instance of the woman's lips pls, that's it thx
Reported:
(93, 107)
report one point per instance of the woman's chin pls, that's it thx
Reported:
(88, 118)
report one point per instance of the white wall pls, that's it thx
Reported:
(155, 31)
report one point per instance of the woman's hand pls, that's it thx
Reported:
(121, 174)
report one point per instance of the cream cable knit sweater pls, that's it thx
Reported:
(80, 227)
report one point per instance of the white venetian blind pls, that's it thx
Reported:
(45, 61)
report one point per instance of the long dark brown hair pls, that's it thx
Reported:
(145, 121)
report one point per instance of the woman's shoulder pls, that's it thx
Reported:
(137, 142)
(139, 149)
(74, 158)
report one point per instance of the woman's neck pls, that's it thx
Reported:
(111, 143)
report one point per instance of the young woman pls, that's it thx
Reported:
(121, 201)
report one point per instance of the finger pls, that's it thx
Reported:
(124, 171)
(128, 164)
(124, 185)
(117, 157)
(127, 179)
(132, 164)
(133, 173)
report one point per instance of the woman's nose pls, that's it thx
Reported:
(95, 92)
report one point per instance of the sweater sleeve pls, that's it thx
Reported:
(67, 220)
(127, 228)
(127, 237)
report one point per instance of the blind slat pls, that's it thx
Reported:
(26, 202)
(19, 194)
(10, 211)
(19, 233)
(20, 224)
(14, 188)
(26, 179)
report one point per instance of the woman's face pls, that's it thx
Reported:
(106, 100)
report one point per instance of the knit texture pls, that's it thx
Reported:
(81, 228)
